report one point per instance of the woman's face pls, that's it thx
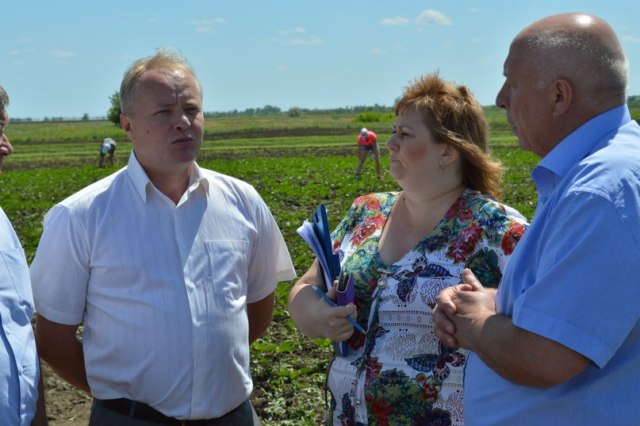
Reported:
(414, 154)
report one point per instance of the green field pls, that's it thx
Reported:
(295, 163)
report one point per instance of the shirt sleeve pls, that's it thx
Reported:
(584, 295)
(270, 260)
(60, 269)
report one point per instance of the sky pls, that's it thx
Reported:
(65, 58)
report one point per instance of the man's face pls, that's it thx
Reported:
(5, 145)
(4, 120)
(166, 122)
(529, 108)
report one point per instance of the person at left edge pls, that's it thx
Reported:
(21, 391)
(170, 267)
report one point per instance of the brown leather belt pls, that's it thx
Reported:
(140, 411)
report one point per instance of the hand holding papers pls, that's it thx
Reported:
(316, 234)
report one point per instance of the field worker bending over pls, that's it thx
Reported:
(368, 144)
(21, 391)
(171, 268)
(107, 152)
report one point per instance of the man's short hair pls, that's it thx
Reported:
(163, 60)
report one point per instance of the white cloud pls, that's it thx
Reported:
(14, 52)
(206, 25)
(473, 10)
(631, 39)
(430, 16)
(282, 68)
(378, 52)
(312, 40)
(397, 21)
(61, 54)
(294, 30)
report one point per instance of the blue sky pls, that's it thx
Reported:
(64, 58)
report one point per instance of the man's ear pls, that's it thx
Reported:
(125, 123)
(563, 91)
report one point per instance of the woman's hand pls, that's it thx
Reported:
(332, 321)
(313, 316)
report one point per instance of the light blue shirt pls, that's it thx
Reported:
(19, 370)
(575, 278)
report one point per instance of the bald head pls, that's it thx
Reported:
(580, 48)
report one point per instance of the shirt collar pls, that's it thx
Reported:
(141, 181)
(579, 144)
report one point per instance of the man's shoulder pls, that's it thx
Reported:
(94, 190)
(613, 168)
(229, 184)
(217, 178)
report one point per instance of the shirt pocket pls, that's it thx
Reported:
(14, 273)
(229, 265)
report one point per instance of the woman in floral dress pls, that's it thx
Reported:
(403, 248)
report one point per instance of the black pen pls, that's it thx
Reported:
(332, 302)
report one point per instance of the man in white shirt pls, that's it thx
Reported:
(171, 268)
(21, 390)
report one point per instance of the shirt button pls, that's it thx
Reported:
(382, 282)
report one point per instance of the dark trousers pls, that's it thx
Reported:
(102, 416)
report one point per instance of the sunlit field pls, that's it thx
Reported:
(294, 162)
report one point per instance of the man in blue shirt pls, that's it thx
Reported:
(20, 381)
(559, 342)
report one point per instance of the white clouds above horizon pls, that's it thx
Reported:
(294, 30)
(425, 18)
(398, 21)
(297, 41)
(430, 16)
(61, 54)
(294, 38)
(206, 25)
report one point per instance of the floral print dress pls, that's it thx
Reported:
(399, 373)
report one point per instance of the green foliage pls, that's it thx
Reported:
(294, 112)
(374, 117)
(294, 168)
(113, 114)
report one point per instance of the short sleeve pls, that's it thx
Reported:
(60, 269)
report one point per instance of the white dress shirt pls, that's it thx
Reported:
(19, 369)
(162, 288)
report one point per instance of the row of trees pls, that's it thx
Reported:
(113, 114)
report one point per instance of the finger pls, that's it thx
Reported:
(469, 278)
(445, 302)
(332, 291)
(442, 321)
(448, 339)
